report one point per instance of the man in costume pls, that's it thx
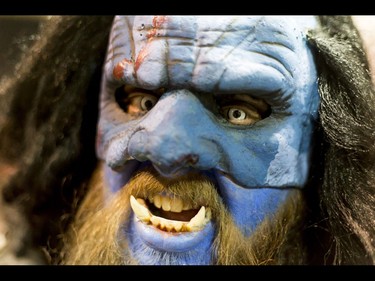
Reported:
(217, 140)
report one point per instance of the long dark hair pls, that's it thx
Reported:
(48, 131)
(347, 117)
(48, 134)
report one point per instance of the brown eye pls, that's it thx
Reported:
(243, 109)
(138, 102)
(134, 101)
(241, 115)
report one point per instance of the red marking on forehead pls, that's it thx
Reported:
(118, 70)
(152, 33)
(157, 22)
(141, 57)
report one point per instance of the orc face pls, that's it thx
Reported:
(233, 99)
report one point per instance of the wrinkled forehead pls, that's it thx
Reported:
(194, 27)
(191, 46)
(215, 28)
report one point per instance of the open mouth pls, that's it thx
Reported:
(171, 214)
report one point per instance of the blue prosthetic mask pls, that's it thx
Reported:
(232, 98)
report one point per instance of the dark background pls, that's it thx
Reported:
(16, 34)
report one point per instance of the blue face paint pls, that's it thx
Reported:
(232, 97)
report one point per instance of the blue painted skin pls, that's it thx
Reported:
(226, 59)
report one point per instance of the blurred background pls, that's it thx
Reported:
(16, 34)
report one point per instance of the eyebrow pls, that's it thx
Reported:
(279, 61)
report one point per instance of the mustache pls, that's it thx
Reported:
(96, 234)
(103, 215)
(194, 187)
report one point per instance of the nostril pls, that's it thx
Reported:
(190, 159)
(177, 167)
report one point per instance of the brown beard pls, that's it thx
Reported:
(94, 237)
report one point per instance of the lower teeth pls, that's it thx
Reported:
(144, 215)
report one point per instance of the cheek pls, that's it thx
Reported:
(247, 155)
(274, 154)
(249, 207)
(116, 180)
(290, 165)
(284, 169)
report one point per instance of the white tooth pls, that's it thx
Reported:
(177, 225)
(139, 210)
(165, 224)
(166, 203)
(161, 224)
(169, 204)
(176, 205)
(155, 220)
(168, 226)
(173, 225)
(157, 201)
(198, 221)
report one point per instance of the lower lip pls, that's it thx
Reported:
(172, 241)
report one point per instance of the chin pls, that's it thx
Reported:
(124, 228)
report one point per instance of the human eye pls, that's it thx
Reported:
(135, 101)
(243, 109)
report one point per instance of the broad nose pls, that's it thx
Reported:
(177, 134)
